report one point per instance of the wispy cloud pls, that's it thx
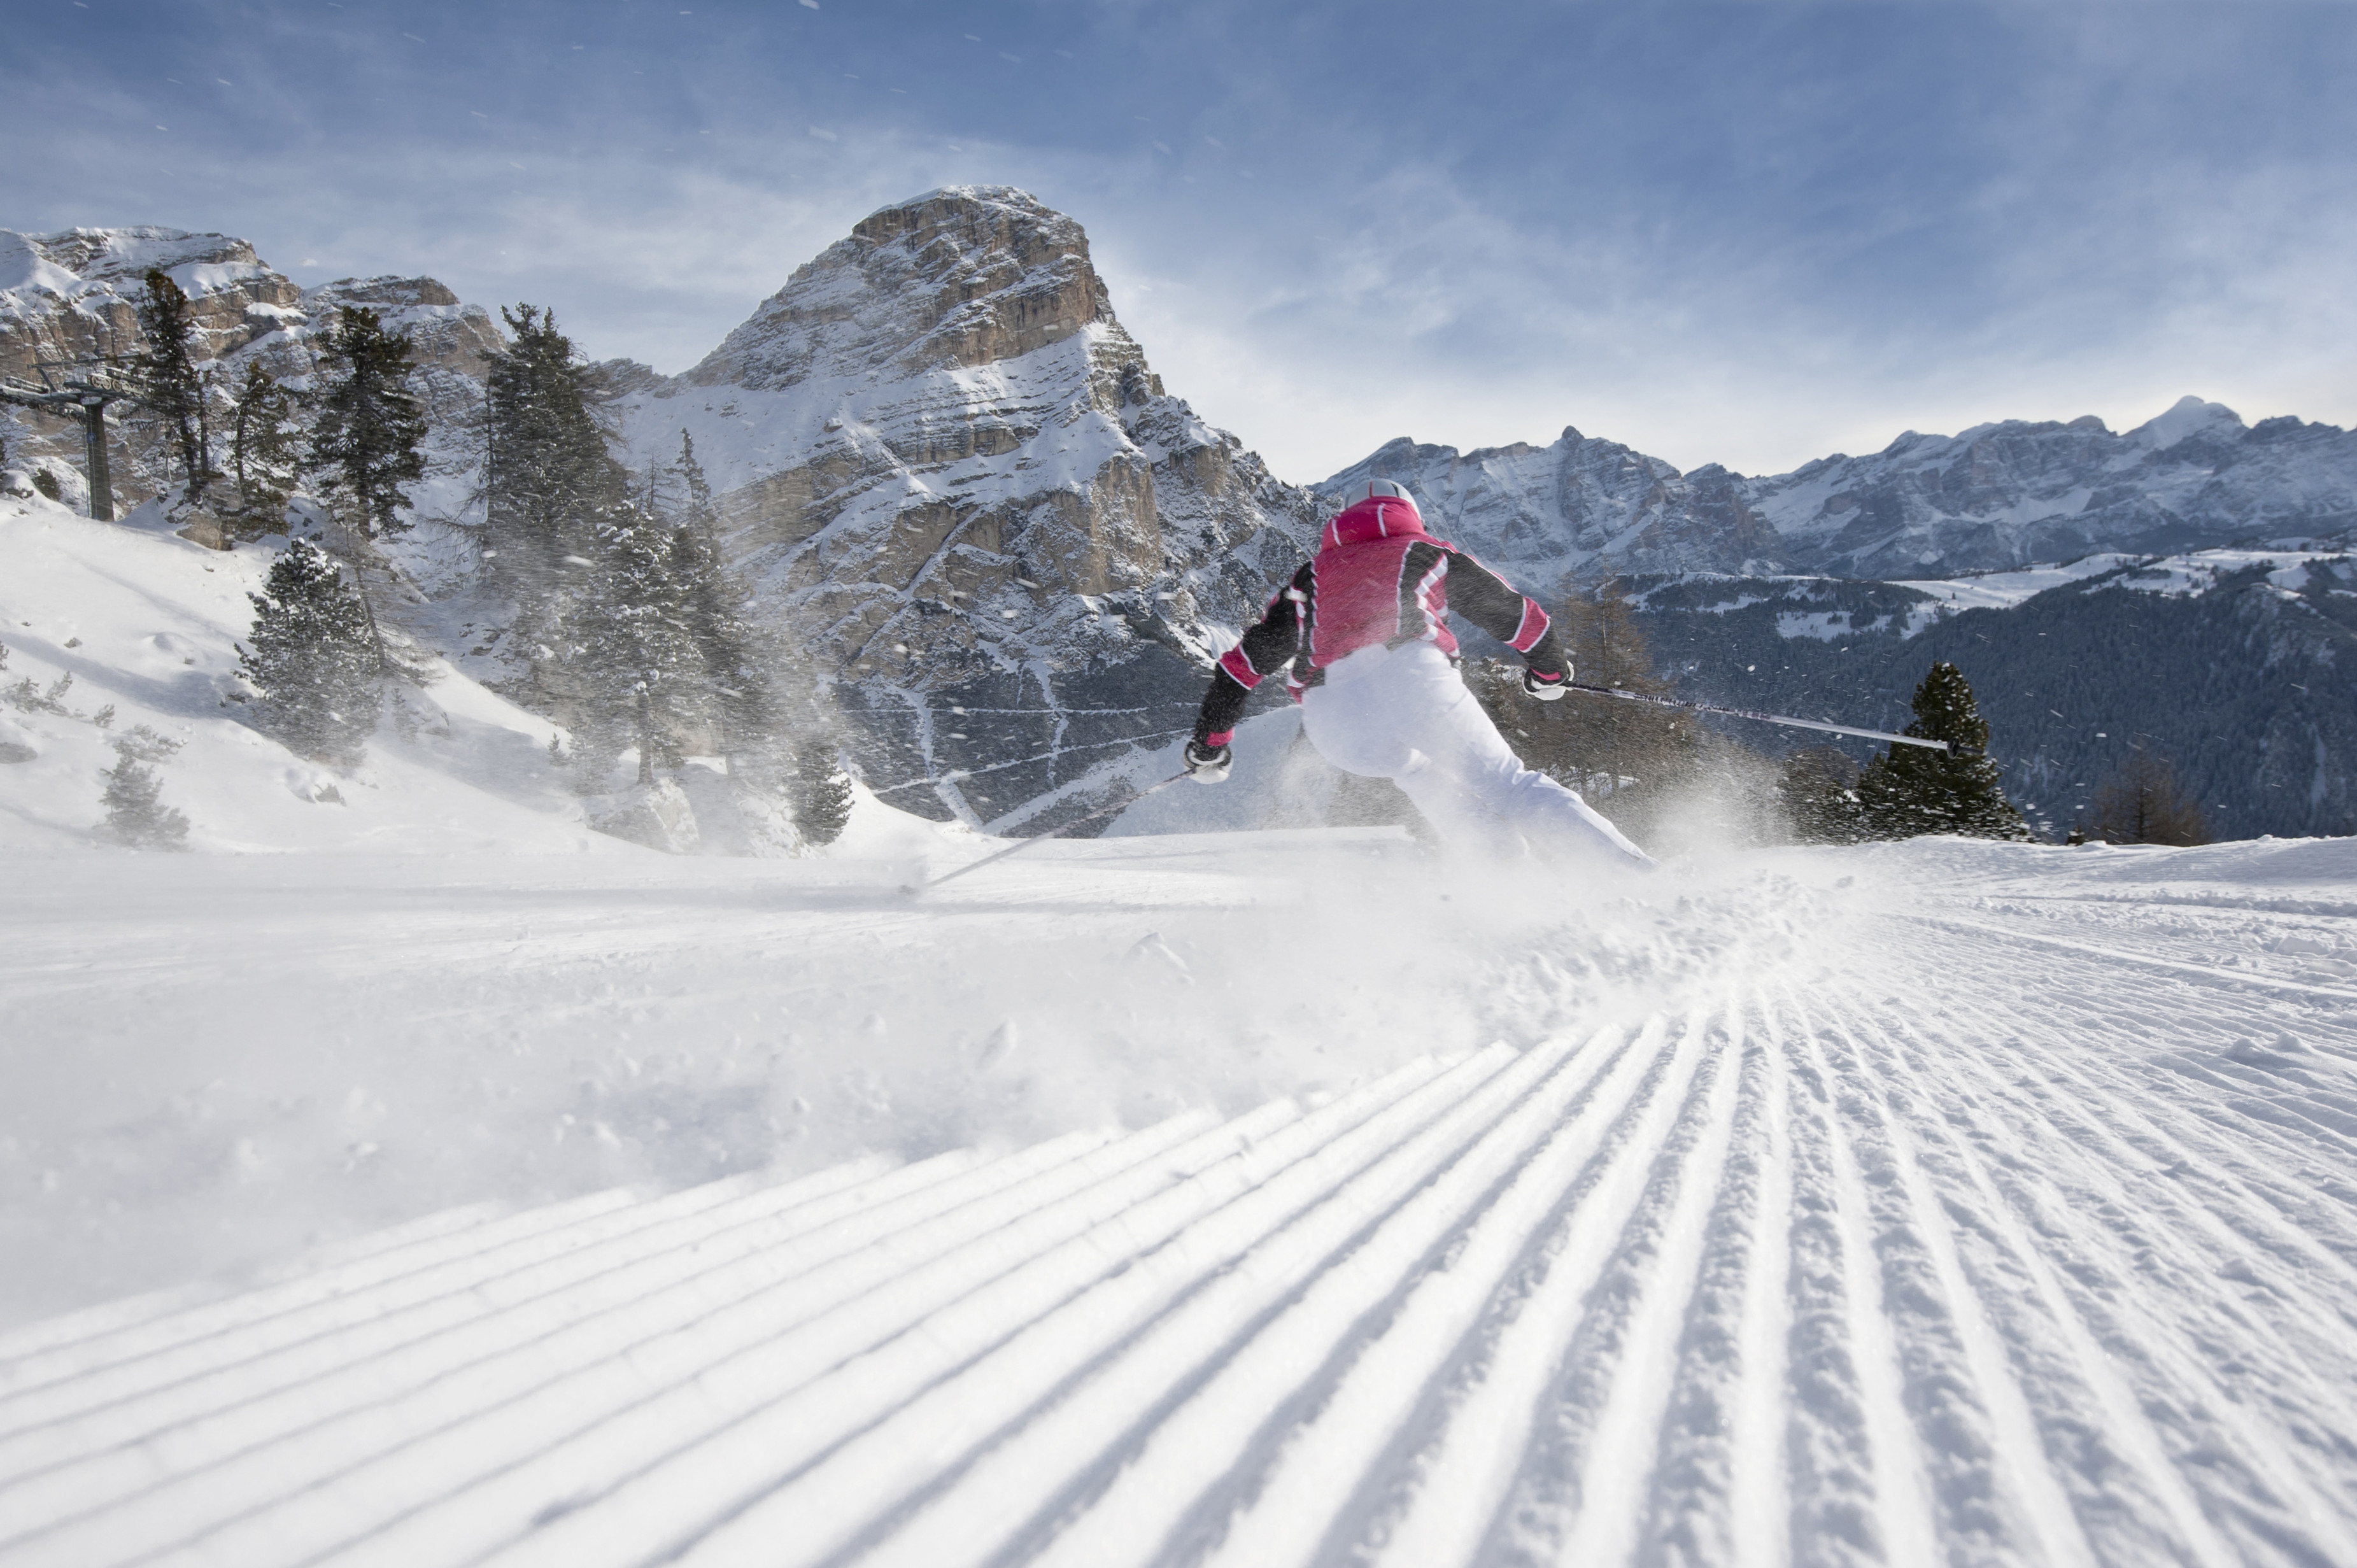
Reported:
(1747, 234)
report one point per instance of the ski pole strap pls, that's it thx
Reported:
(1762, 719)
(1022, 845)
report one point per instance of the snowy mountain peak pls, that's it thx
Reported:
(81, 263)
(2187, 417)
(953, 478)
(966, 275)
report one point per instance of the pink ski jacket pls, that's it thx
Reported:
(1378, 578)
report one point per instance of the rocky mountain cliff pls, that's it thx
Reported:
(1926, 506)
(67, 300)
(950, 472)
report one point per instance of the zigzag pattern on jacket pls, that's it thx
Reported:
(1378, 578)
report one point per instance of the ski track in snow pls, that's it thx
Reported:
(2012, 1221)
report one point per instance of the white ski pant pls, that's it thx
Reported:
(1403, 714)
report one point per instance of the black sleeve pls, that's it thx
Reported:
(1268, 646)
(1490, 602)
(1546, 657)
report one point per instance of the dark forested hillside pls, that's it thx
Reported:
(2248, 687)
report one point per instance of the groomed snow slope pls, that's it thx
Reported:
(1938, 1202)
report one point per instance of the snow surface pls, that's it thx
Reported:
(2179, 576)
(2003, 590)
(1943, 1201)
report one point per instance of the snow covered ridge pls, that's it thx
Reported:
(110, 629)
(2290, 571)
(1996, 497)
(1930, 1202)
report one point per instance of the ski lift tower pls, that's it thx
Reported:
(84, 398)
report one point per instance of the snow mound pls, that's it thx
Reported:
(129, 618)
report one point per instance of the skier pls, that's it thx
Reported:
(1362, 634)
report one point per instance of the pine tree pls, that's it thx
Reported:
(696, 491)
(1818, 790)
(313, 657)
(1913, 789)
(1607, 647)
(547, 476)
(2143, 804)
(135, 814)
(265, 445)
(819, 793)
(632, 651)
(369, 425)
(714, 601)
(165, 373)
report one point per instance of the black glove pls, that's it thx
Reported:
(1207, 764)
(1545, 689)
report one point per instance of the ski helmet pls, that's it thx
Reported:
(1380, 489)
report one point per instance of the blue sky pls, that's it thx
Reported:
(1752, 233)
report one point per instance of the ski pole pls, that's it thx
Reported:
(1020, 845)
(1762, 718)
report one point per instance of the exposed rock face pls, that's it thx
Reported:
(69, 300)
(1996, 496)
(951, 475)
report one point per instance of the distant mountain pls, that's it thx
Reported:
(1926, 506)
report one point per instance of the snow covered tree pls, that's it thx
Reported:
(819, 792)
(165, 372)
(632, 652)
(265, 445)
(714, 602)
(365, 440)
(314, 657)
(696, 491)
(548, 479)
(2143, 804)
(1913, 789)
(135, 814)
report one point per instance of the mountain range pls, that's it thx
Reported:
(1994, 497)
(953, 478)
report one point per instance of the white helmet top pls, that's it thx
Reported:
(1384, 490)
